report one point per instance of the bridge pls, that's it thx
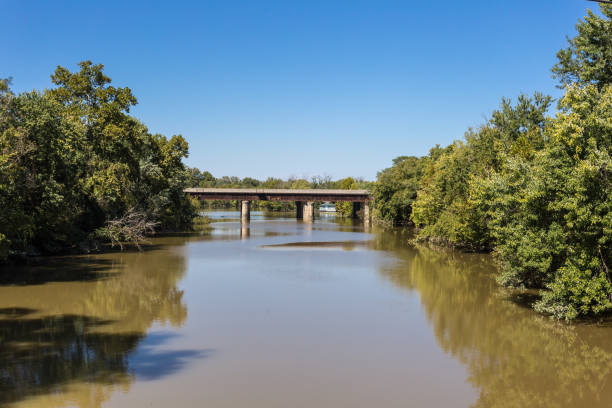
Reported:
(304, 199)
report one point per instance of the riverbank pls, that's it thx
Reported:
(34, 254)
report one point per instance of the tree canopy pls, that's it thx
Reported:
(588, 58)
(534, 189)
(72, 159)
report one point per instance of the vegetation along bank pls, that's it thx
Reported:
(534, 188)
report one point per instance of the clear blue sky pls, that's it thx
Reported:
(280, 88)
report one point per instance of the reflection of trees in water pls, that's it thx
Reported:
(144, 292)
(515, 358)
(56, 335)
(40, 354)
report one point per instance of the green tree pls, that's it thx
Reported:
(396, 189)
(112, 138)
(444, 208)
(72, 159)
(299, 184)
(41, 167)
(345, 208)
(552, 217)
(588, 59)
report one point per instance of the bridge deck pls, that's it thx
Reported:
(255, 194)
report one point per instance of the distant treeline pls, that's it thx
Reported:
(535, 189)
(206, 179)
(76, 168)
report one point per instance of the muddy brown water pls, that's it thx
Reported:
(286, 314)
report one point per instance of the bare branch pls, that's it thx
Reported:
(132, 228)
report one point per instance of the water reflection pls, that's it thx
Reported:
(330, 245)
(245, 231)
(296, 312)
(40, 354)
(60, 329)
(515, 358)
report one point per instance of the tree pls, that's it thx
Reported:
(588, 59)
(41, 165)
(298, 184)
(113, 139)
(322, 182)
(444, 208)
(345, 208)
(552, 217)
(396, 189)
(73, 160)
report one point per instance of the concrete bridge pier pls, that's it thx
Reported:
(366, 214)
(245, 212)
(308, 211)
(299, 210)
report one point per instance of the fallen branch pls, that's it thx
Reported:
(132, 227)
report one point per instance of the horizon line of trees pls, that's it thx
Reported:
(534, 188)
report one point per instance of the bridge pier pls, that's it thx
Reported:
(299, 210)
(245, 212)
(366, 213)
(308, 211)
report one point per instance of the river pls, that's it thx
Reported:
(287, 314)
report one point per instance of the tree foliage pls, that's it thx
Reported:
(395, 190)
(345, 208)
(552, 216)
(536, 190)
(445, 207)
(73, 159)
(588, 58)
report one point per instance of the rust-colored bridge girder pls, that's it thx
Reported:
(256, 194)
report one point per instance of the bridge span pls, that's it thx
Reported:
(304, 199)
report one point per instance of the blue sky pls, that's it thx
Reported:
(299, 88)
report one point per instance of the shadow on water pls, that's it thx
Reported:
(88, 268)
(148, 364)
(65, 269)
(514, 357)
(523, 299)
(40, 355)
(15, 312)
